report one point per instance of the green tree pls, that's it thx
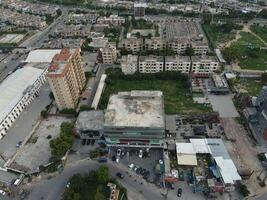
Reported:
(98, 194)
(44, 114)
(244, 190)
(102, 174)
(189, 51)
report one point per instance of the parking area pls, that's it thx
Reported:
(140, 161)
(36, 151)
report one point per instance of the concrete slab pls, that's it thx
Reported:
(224, 105)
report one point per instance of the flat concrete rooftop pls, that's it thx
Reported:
(135, 109)
(90, 120)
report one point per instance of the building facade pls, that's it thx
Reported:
(135, 118)
(66, 77)
(178, 63)
(133, 44)
(113, 20)
(17, 92)
(109, 54)
(129, 64)
(205, 65)
(154, 43)
(151, 64)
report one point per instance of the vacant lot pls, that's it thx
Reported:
(176, 92)
(37, 151)
(247, 50)
(260, 31)
(247, 85)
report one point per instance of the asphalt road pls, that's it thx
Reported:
(52, 189)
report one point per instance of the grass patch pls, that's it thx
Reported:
(260, 31)
(175, 88)
(218, 33)
(251, 86)
(247, 51)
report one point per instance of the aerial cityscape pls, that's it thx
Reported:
(133, 99)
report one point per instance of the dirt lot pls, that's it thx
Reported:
(37, 151)
(243, 152)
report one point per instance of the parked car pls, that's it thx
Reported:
(179, 192)
(120, 175)
(131, 166)
(2, 192)
(102, 160)
(19, 144)
(113, 158)
(83, 141)
(140, 153)
(118, 152)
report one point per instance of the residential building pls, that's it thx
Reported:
(17, 91)
(181, 34)
(178, 63)
(204, 65)
(133, 44)
(154, 43)
(113, 20)
(139, 9)
(129, 64)
(151, 64)
(109, 54)
(66, 77)
(135, 119)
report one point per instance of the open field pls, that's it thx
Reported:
(247, 85)
(247, 50)
(175, 92)
(216, 34)
(260, 31)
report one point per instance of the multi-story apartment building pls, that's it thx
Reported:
(66, 77)
(154, 43)
(109, 54)
(129, 64)
(139, 9)
(178, 63)
(205, 65)
(113, 20)
(151, 64)
(182, 34)
(133, 44)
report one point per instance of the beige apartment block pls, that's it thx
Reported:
(178, 63)
(66, 77)
(129, 64)
(109, 54)
(154, 43)
(150, 64)
(204, 65)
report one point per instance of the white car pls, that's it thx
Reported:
(140, 153)
(161, 162)
(118, 152)
(131, 166)
(2, 192)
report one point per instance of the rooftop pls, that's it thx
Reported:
(42, 55)
(12, 89)
(204, 58)
(135, 109)
(90, 120)
(177, 58)
(150, 58)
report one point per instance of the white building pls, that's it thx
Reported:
(178, 63)
(133, 44)
(129, 64)
(154, 43)
(204, 65)
(109, 54)
(113, 20)
(17, 91)
(150, 64)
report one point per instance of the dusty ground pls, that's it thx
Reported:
(243, 152)
(37, 151)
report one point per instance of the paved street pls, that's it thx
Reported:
(136, 191)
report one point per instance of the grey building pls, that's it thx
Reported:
(135, 118)
(89, 124)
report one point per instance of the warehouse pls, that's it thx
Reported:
(17, 91)
(135, 119)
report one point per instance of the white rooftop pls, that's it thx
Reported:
(12, 88)
(136, 109)
(227, 170)
(185, 148)
(42, 55)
